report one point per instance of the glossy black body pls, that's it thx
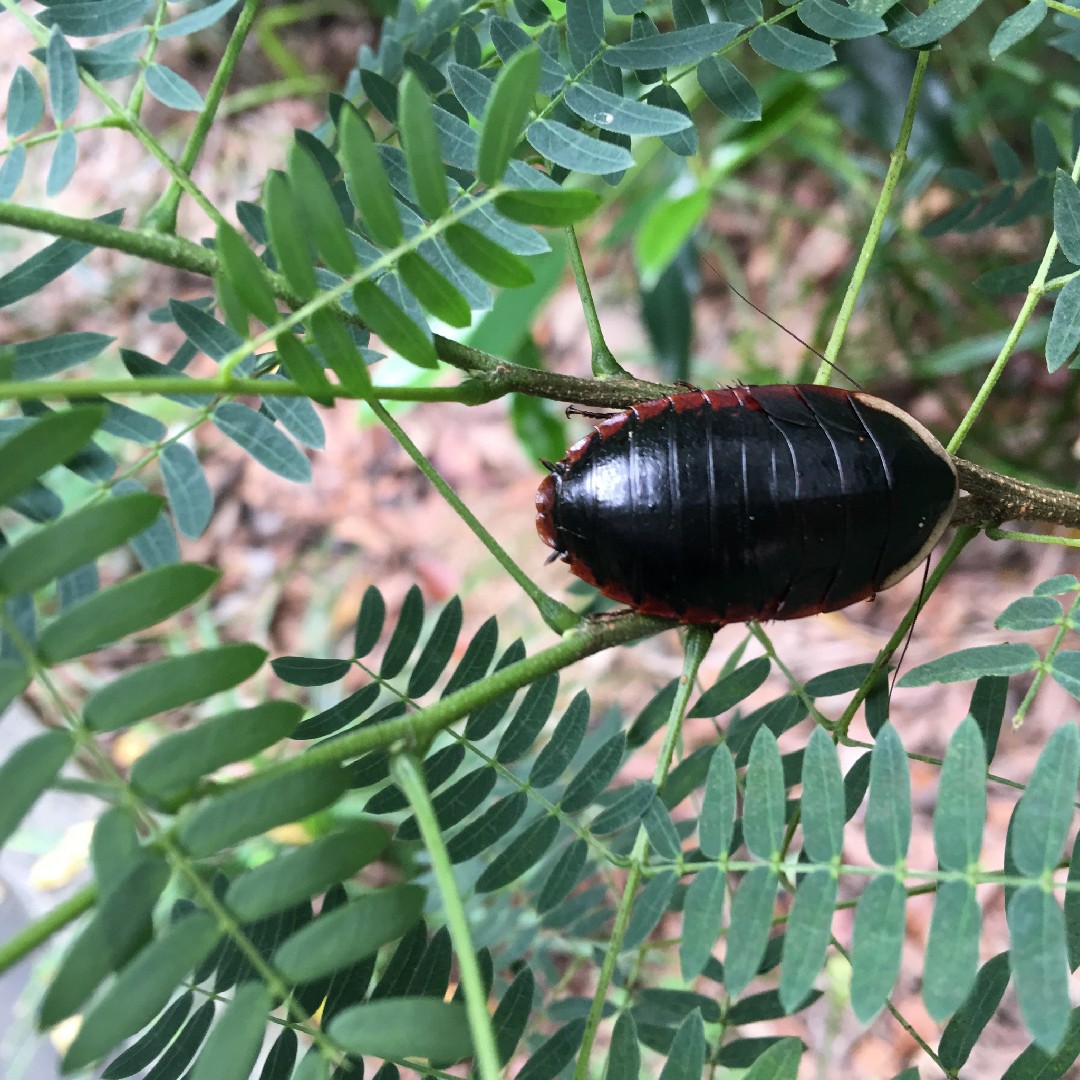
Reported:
(751, 503)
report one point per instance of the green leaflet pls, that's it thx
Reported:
(42, 445)
(263, 440)
(488, 259)
(251, 808)
(764, 809)
(807, 939)
(716, 826)
(246, 274)
(386, 319)
(433, 290)
(1039, 965)
(748, 932)
(876, 944)
(822, 799)
(423, 155)
(72, 541)
(236, 1038)
(507, 110)
(405, 1027)
(703, 912)
(115, 612)
(29, 769)
(952, 951)
(170, 768)
(170, 683)
(1043, 815)
(142, 989)
(888, 816)
(120, 926)
(320, 211)
(341, 937)
(961, 807)
(551, 208)
(289, 240)
(366, 180)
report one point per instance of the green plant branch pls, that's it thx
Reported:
(557, 615)
(418, 728)
(763, 639)
(162, 216)
(121, 116)
(895, 1013)
(604, 364)
(994, 498)
(256, 97)
(568, 821)
(695, 646)
(1068, 623)
(963, 537)
(1033, 538)
(1035, 292)
(162, 840)
(877, 223)
(156, 247)
(405, 771)
(31, 937)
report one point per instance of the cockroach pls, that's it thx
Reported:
(750, 503)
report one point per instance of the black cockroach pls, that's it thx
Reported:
(757, 502)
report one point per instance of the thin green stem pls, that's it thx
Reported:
(25, 941)
(417, 729)
(256, 97)
(695, 647)
(1068, 622)
(1035, 293)
(604, 364)
(877, 223)
(556, 614)
(407, 775)
(1033, 538)
(469, 392)
(167, 250)
(172, 251)
(162, 216)
(963, 537)
(763, 639)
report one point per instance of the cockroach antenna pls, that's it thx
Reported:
(787, 330)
